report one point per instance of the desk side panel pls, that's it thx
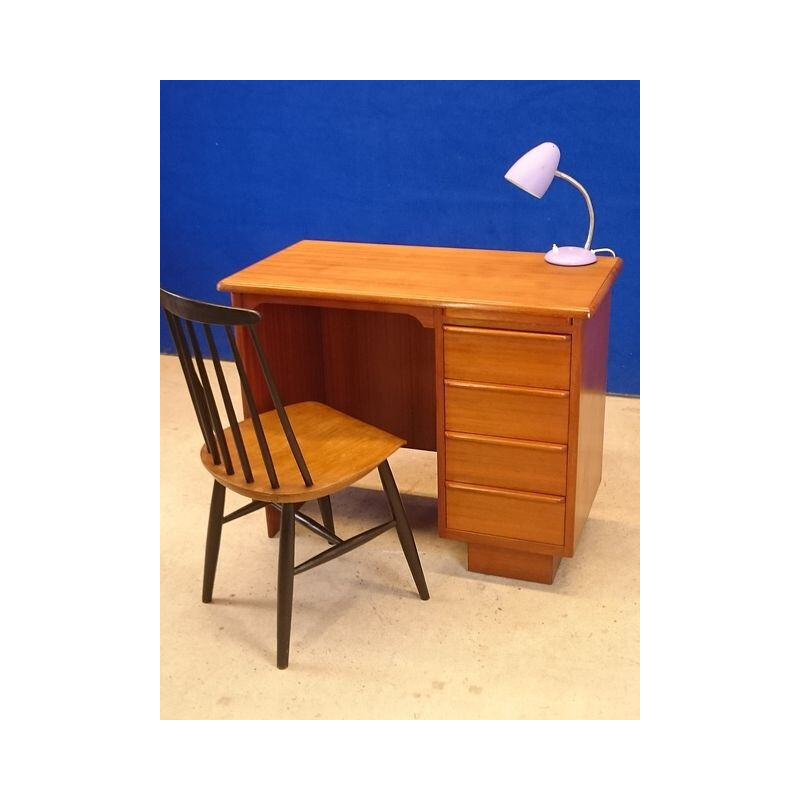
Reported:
(591, 417)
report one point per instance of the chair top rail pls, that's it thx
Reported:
(209, 313)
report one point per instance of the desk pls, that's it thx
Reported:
(494, 359)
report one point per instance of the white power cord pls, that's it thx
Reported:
(604, 250)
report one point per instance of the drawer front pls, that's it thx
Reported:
(510, 357)
(506, 463)
(515, 412)
(515, 515)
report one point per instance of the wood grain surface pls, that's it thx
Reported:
(443, 277)
(338, 450)
(591, 417)
(515, 412)
(511, 357)
(509, 463)
(516, 515)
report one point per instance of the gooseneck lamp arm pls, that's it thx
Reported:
(571, 180)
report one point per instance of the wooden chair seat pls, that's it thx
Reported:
(339, 450)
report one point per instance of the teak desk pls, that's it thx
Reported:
(496, 360)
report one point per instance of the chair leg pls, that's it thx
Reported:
(403, 528)
(215, 514)
(326, 510)
(285, 583)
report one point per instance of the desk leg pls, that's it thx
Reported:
(274, 519)
(273, 522)
(512, 563)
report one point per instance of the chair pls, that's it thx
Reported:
(280, 458)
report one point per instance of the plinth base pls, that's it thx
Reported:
(512, 563)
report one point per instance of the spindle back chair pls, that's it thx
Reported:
(264, 456)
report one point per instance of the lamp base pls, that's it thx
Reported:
(570, 256)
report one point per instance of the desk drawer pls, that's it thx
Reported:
(507, 357)
(512, 411)
(506, 463)
(515, 515)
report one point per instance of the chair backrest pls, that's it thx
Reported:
(182, 316)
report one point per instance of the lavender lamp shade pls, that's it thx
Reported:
(534, 171)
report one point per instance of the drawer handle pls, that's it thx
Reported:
(535, 496)
(502, 440)
(550, 337)
(502, 387)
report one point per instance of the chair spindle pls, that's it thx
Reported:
(211, 402)
(266, 456)
(229, 410)
(192, 383)
(281, 411)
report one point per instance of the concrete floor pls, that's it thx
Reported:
(363, 645)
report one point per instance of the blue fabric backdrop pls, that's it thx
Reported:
(249, 167)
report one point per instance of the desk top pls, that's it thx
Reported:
(445, 277)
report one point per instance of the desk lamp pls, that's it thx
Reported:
(533, 173)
